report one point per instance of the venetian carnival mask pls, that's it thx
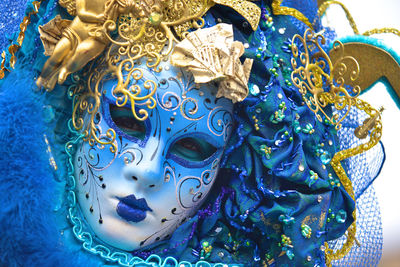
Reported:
(152, 86)
(163, 167)
(160, 167)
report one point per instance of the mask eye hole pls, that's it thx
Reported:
(126, 122)
(192, 149)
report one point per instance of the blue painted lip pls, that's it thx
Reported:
(132, 209)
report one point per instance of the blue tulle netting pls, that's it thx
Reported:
(362, 170)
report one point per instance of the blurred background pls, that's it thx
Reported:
(369, 14)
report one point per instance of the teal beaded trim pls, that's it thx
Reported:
(89, 244)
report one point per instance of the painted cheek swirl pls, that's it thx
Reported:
(219, 122)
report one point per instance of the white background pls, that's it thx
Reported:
(369, 14)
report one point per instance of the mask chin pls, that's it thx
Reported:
(163, 167)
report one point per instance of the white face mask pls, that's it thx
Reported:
(164, 167)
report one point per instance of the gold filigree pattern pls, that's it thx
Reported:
(324, 84)
(313, 72)
(86, 104)
(149, 37)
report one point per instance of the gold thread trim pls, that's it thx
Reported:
(277, 9)
(382, 30)
(324, 6)
(13, 49)
(322, 10)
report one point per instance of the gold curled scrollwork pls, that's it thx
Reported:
(148, 35)
(320, 81)
(86, 105)
(325, 84)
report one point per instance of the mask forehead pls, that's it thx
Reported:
(182, 107)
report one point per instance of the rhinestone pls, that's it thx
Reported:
(166, 67)
(320, 198)
(301, 168)
(309, 258)
(330, 142)
(246, 45)
(322, 248)
(221, 254)
(254, 90)
(282, 30)
(280, 96)
(341, 216)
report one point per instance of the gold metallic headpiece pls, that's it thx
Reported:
(128, 30)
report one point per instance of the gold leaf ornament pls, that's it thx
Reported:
(212, 55)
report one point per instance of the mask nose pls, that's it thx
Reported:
(146, 175)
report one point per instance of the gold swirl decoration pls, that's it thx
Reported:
(86, 104)
(150, 37)
(313, 71)
(324, 84)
